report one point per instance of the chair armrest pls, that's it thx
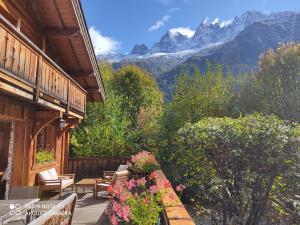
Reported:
(71, 176)
(45, 182)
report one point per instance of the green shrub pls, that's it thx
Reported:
(238, 167)
(43, 156)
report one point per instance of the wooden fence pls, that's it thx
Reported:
(93, 167)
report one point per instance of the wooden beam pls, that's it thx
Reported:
(93, 90)
(47, 114)
(62, 33)
(82, 75)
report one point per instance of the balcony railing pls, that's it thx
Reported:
(25, 62)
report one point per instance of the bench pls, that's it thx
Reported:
(50, 181)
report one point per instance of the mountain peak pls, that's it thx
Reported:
(139, 49)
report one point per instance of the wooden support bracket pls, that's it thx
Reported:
(44, 118)
(70, 122)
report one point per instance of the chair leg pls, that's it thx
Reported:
(60, 192)
(40, 192)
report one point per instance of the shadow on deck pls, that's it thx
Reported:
(88, 210)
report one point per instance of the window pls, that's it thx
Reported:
(45, 145)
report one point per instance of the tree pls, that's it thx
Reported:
(103, 132)
(234, 167)
(275, 88)
(143, 102)
(198, 96)
(139, 92)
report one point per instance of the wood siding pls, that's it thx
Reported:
(24, 169)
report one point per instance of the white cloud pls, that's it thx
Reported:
(103, 45)
(174, 9)
(159, 23)
(226, 23)
(216, 20)
(183, 30)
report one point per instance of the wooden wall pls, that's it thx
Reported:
(24, 168)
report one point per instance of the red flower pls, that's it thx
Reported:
(167, 184)
(110, 189)
(153, 176)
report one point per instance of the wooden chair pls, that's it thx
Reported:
(108, 175)
(50, 181)
(118, 177)
(62, 213)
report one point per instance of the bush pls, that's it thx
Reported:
(239, 167)
(43, 156)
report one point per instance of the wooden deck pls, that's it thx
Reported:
(88, 211)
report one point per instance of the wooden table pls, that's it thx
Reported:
(11, 208)
(89, 182)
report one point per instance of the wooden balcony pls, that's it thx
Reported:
(25, 70)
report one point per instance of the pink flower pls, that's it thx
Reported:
(154, 189)
(135, 195)
(124, 197)
(172, 196)
(180, 188)
(114, 220)
(141, 182)
(125, 213)
(131, 184)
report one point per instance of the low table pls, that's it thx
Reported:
(89, 182)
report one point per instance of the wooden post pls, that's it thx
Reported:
(68, 96)
(9, 169)
(38, 78)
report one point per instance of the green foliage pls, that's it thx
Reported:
(232, 164)
(43, 156)
(127, 121)
(145, 209)
(198, 96)
(103, 131)
(143, 102)
(275, 89)
(139, 91)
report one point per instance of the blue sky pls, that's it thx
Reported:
(116, 25)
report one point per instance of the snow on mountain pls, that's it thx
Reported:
(207, 34)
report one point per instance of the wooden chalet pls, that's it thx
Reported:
(48, 71)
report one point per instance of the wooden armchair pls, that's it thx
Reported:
(108, 175)
(102, 184)
(50, 181)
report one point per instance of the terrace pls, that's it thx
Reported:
(90, 210)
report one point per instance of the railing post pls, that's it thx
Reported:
(68, 95)
(38, 78)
